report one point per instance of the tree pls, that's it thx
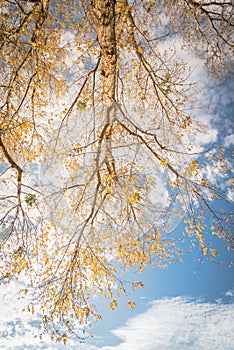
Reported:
(94, 81)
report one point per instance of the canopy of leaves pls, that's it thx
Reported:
(91, 94)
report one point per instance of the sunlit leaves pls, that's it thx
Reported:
(113, 304)
(214, 252)
(131, 304)
(116, 178)
(192, 169)
(137, 284)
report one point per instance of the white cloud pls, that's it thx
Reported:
(229, 140)
(19, 330)
(178, 323)
(230, 293)
(201, 140)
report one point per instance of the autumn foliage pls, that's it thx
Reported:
(97, 147)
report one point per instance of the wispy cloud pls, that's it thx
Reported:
(18, 330)
(178, 323)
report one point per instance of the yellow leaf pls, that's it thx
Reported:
(132, 304)
(205, 251)
(214, 252)
(113, 305)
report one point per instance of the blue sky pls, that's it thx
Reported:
(186, 306)
(181, 307)
(208, 285)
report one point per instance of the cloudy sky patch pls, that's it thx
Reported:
(175, 323)
(179, 323)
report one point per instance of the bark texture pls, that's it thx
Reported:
(105, 15)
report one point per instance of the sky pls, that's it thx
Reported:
(186, 306)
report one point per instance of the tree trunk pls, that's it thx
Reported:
(104, 15)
